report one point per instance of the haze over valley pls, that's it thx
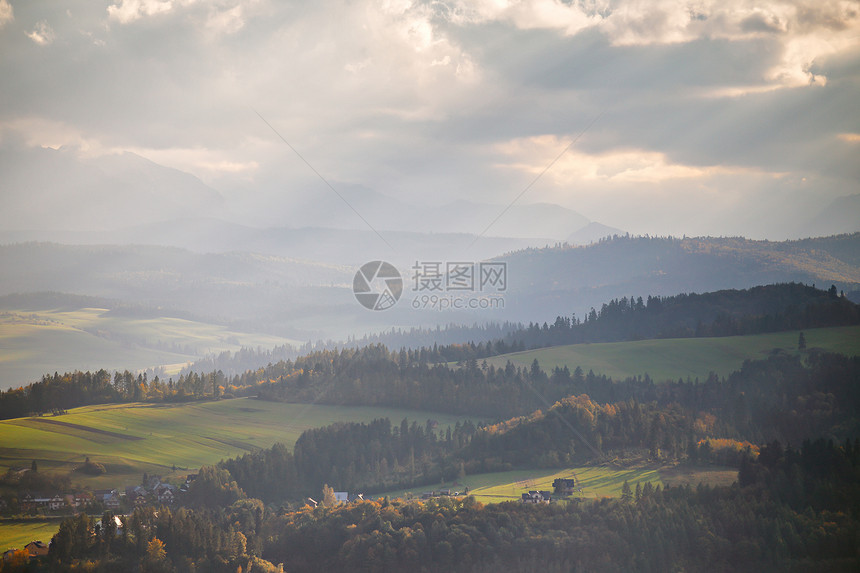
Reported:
(456, 286)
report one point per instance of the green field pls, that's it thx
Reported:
(130, 439)
(38, 342)
(681, 357)
(15, 534)
(596, 482)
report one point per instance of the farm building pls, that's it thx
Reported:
(36, 548)
(537, 497)
(564, 486)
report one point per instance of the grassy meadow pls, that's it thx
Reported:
(38, 342)
(675, 358)
(130, 439)
(15, 534)
(596, 482)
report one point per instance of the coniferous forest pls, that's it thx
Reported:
(429, 286)
(787, 423)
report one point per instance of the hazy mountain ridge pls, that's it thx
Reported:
(57, 189)
(62, 195)
(639, 266)
(324, 245)
(842, 215)
(299, 299)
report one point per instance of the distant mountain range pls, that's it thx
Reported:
(56, 190)
(64, 196)
(60, 195)
(305, 300)
(581, 277)
(840, 216)
(592, 233)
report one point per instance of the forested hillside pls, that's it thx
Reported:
(661, 266)
(598, 421)
(794, 509)
(790, 508)
(788, 422)
(770, 308)
(287, 296)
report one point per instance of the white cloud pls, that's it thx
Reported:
(130, 10)
(227, 21)
(527, 14)
(623, 166)
(42, 34)
(454, 98)
(806, 29)
(37, 131)
(6, 13)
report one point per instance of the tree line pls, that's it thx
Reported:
(719, 420)
(57, 393)
(770, 308)
(355, 457)
(791, 509)
(420, 378)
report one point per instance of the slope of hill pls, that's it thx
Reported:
(674, 358)
(842, 215)
(580, 277)
(291, 298)
(591, 233)
(57, 189)
(38, 342)
(169, 439)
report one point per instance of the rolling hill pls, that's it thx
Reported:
(270, 297)
(670, 359)
(169, 439)
(572, 279)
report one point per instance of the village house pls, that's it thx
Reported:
(83, 499)
(36, 549)
(166, 493)
(117, 522)
(537, 497)
(136, 495)
(109, 498)
(56, 502)
(564, 486)
(188, 479)
(33, 501)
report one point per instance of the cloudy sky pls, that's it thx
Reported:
(700, 117)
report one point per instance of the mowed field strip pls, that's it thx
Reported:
(130, 439)
(673, 358)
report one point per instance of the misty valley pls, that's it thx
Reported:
(429, 287)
